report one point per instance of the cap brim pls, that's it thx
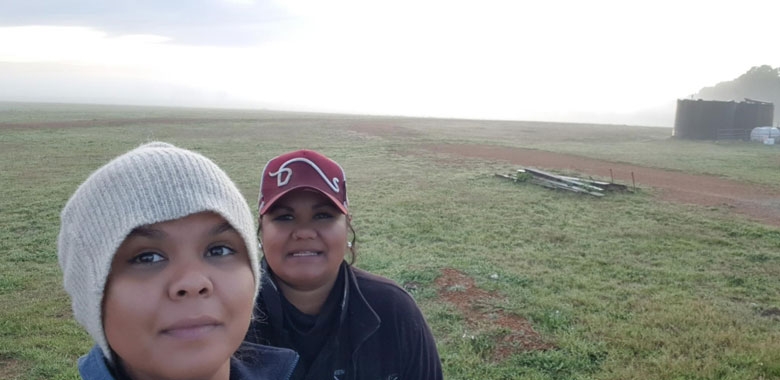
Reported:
(268, 204)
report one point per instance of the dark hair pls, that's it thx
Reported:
(352, 245)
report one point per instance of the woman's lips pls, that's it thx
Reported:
(304, 254)
(191, 328)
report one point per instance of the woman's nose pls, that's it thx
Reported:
(191, 280)
(304, 232)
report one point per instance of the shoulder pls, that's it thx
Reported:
(373, 285)
(385, 296)
(402, 337)
(259, 362)
(92, 366)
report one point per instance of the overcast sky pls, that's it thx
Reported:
(568, 60)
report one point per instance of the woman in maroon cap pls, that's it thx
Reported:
(344, 322)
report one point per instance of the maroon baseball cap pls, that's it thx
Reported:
(302, 169)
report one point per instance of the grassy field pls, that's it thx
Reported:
(622, 287)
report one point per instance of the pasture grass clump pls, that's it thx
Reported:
(624, 286)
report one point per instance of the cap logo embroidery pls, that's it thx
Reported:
(284, 174)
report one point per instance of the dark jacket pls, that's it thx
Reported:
(251, 362)
(380, 335)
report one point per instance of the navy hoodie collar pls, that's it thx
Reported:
(251, 361)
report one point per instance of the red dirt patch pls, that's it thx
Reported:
(459, 289)
(9, 367)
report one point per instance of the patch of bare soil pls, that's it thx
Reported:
(9, 367)
(771, 313)
(459, 289)
(757, 202)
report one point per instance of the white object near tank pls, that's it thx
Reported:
(762, 134)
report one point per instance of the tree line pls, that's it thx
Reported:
(759, 83)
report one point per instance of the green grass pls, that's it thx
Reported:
(625, 286)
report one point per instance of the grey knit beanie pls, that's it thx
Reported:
(153, 183)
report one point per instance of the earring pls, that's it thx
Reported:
(349, 244)
(260, 245)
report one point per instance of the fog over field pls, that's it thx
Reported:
(601, 61)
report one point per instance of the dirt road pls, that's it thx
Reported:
(754, 201)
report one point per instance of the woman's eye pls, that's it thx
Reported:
(220, 250)
(323, 215)
(282, 217)
(147, 258)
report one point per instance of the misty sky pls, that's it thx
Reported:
(587, 61)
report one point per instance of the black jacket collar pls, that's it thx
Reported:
(357, 322)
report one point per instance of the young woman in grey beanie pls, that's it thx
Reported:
(157, 254)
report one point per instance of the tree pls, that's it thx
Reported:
(759, 83)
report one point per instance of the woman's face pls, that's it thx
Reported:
(304, 239)
(179, 298)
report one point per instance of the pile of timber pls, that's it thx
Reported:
(559, 182)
